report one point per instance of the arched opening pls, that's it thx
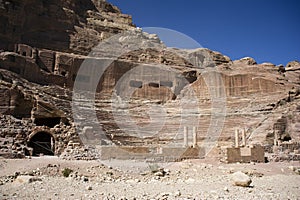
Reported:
(42, 143)
(64, 73)
(155, 85)
(286, 138)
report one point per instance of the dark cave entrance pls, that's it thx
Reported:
(42, 143)
(286, 138)
(50, 122)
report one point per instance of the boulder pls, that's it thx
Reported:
(241, 179)
(26, 179)
(248, 61)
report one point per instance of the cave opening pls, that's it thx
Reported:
(286, 138)
(42, 143)
(155, 85)
(50, 122)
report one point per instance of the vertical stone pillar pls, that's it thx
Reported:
(275, 138)
(194, 137)
(278, 143)
(243, 137)
(236, 138)
(185, 136)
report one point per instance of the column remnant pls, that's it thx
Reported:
(243, 137)
(194, 137)
(185, 136)
(236, 138)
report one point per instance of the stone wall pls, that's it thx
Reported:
(245, 154)
(27, 110)
(150, 154)
(29, 69)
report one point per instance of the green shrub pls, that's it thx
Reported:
(66, 172)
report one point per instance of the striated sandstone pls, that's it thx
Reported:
(39, 66)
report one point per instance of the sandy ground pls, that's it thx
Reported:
(190, 179)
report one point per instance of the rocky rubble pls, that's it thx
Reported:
(80, 153)
(184, 180)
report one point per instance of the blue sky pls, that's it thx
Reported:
(267, 30)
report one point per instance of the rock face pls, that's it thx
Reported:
(44, 44)
(68, 26)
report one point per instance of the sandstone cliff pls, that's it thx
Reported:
(67, 26)
(44, 44)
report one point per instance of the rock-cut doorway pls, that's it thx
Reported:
(42, 143)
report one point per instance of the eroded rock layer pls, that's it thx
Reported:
(142, 97)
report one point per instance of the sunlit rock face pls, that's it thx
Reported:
(145, 96)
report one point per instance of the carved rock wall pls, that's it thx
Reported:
(68, 26)
(44, 44)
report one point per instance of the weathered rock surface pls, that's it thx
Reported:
(26, 179)
(68, 26)
(241, 179)
(45, 43)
